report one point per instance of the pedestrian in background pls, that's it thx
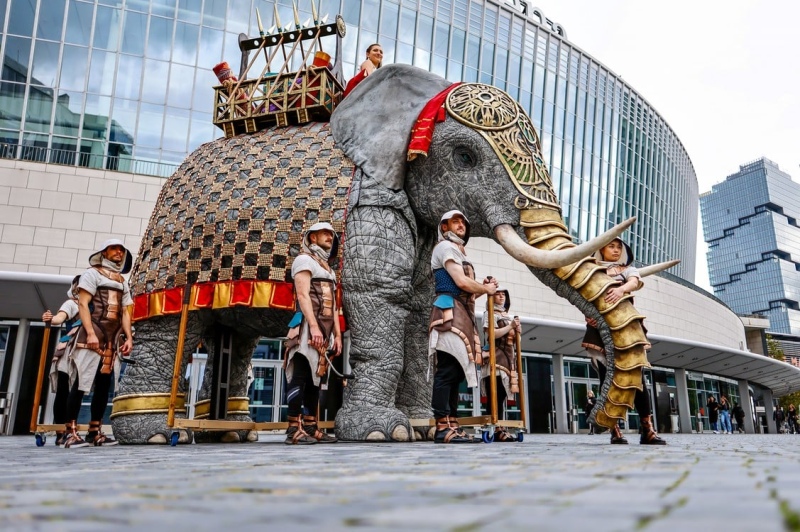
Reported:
(791, 417)
(713, 413)
(587, 409)
(738, 415)
(725, 415)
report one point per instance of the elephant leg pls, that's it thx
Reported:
(142, 395)
(241, 352)
(378, 267)
(415, 389)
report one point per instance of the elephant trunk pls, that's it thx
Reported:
(588, 282)
(560, 250)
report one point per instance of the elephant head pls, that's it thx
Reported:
(484, 159)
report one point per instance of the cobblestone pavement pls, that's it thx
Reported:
(577, 482)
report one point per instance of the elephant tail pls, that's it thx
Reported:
(621, 324)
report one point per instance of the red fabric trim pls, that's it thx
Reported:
(422, 132)
(242, 293)
(204, 297)
(354, 81)
(283, 296)
(141, 307)
(173, 301)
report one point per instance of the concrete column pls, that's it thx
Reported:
(744, 402)
(560, 398)
(15, 374)
(684, 412)
(769, 411)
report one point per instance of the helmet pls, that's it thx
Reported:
(449, 214)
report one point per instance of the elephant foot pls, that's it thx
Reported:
(372, 423)
(228, 436)
(151, 429)
(424, 433)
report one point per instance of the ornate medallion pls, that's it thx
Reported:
(341, 27)
(503, 123)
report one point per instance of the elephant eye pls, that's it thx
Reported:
(464, 158)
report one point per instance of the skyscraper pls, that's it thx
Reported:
(750, 225)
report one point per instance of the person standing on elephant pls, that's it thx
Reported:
(453, 341)
(373, 62)
(60, 367)
(617, 257)
(313, 333)
(103, 302)
(506, 330)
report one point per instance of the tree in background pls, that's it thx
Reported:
(774, 351)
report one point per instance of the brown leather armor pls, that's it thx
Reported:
(106, 319)
(460, 319)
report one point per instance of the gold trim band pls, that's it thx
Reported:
(146, 403)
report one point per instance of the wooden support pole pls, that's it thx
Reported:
(40, 378)
(176, 370)
(492, 362)
(521, 394)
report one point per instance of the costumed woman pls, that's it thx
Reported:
(374, 61)
(617, 258)
(506, 330)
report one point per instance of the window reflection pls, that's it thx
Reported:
(39, 110)
(51, 20)
(20, 18)
(185, 48)
(79, 23)
(129, 77)
(45, 63)
(159, 40)
(133, 33)
(154, 87)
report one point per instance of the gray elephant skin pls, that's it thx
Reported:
(236, 208)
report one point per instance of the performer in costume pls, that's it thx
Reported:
(506, 330)
(60, 367)
(617, 258)
(373, 62)
(103, 301)
(313, 332)
(453, 343)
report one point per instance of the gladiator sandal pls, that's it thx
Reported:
(616, 436)
(295, 435)
(96, 437)
(453, 421)
(446, 433)
(73, 439)
(311, 428)
(61, 436)
(502, 435)
(649, 435)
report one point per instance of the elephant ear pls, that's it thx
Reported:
(373, 124)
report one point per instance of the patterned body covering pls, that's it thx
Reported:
(230, 221)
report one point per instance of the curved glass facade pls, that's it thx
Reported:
(126, 84)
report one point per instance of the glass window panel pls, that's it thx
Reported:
(185, 47)
(189, 10)
(473, 51)
(45, 63)
(101, 73)
(134, 32)
(204, 94)
(139, 5)
(69, 106)
(457, 47)
(2, 25)
(442, 38)
(20, 18)
(129, 77)
(350, 51)
(369, 16)
(211, 49)
(425, 33)
(388, 46)
(74, 66)
(404, 54)
(11, 97)
(123, 122)
(239, 15)
(389, 20)
(79, 23)
(351, 11)
(151, 118)
(106, 28)
(408, 25)
(439, 65)
(180, 91)
(51, 20)
(422, 58)
(39, 110)
(16, 59)
(214, 13)
(202, 129)
(159, 40)
(165, 8)
(177, 130)
(95, 116)
(154, 87)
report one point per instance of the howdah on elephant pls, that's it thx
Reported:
(404, 147)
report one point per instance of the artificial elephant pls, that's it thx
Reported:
(231, 218)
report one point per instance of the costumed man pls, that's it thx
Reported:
(67, 315)
(314, 333)
(617, 257)
(506, 330)
(453, 342)
(104, 299)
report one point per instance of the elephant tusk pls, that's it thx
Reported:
(660, 267)
(513, 244)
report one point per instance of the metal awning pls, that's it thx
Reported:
(550, 336)
(27, 295)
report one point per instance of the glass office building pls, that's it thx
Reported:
(750, 225)
(126, 84)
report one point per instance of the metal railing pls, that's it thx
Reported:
(86, 160)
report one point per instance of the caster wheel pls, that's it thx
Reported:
(173, 439)
(520, 437)
(487, 437)
(41, 439)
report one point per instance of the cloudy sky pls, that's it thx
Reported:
(724, 74)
